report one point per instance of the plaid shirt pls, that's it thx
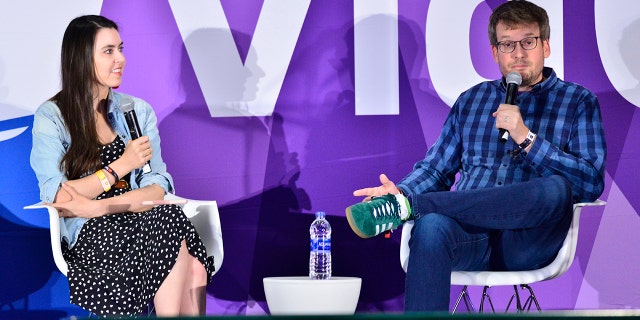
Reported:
(570, 141)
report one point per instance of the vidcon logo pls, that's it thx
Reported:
(232, 89)
(617, 32)
(38, 54)
(222, 75)
(14, 120)
(14, 126)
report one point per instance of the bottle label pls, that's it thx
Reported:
(320, 244)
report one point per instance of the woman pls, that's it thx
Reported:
(121, 254)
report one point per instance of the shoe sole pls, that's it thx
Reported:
(353, 226)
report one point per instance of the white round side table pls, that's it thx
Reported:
(303, 296)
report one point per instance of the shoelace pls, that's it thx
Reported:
(387, 204)
(385, 209)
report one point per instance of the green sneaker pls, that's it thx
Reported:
(370, 218)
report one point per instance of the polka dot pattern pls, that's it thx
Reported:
(120, 260)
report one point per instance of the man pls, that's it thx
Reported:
(513, 201)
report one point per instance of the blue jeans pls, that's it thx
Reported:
(516, 227)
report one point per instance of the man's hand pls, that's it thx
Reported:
(387, 187)
(508, 117)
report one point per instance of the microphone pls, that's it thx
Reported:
(514, 80)
(126, 105)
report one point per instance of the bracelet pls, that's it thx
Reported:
(113, 173)
(103, 180)
(527, 141)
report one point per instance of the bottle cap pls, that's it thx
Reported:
(320, 214)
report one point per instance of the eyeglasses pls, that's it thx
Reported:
(509, 46)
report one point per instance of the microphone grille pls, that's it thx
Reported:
(126, 104)
(514, 77)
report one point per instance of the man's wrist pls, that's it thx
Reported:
(527, 141)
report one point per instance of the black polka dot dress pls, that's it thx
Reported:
(120, 260)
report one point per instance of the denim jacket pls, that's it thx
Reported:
(51, 140)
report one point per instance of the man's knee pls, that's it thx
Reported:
(432, 230)
(560, 185)
(558, 195)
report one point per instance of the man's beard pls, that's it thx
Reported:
(531, 79)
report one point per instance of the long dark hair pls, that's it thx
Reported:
(75, 99)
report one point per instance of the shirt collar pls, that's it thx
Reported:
(114, 102)
(548, 83)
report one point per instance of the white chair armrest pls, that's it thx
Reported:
(203, 214)
(598, 202)
(404, 244)
(206, 219)
(54, 231)
(406, 232)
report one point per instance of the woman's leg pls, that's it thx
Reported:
(194, 293)
(168, 301)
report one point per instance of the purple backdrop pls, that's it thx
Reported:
(269, 174)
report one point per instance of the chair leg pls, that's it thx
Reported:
(515, 296)
(464, 296)
(485, 296)
(531, 299)
(518, 301)
(151, 309)
(528, 302)
(520, 307)
(468, 303)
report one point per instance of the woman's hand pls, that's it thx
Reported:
(137, 153)
(79, 205)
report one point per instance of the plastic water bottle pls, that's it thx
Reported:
(320, 254)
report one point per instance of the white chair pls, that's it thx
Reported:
(203, 214)
(487, 279)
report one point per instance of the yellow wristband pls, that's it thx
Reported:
(103, 180)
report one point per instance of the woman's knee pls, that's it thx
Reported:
(198, 272)
(194, 268)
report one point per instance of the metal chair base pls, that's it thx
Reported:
(520, 307)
